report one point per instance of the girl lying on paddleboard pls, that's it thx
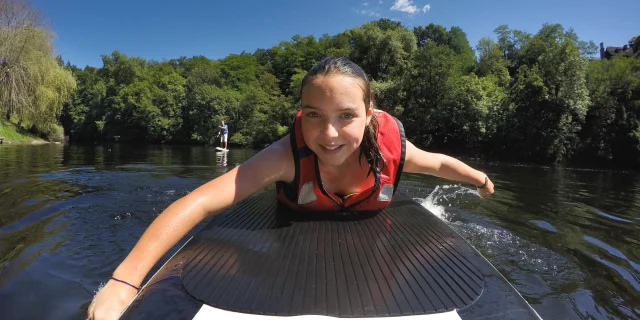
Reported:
(341, 155)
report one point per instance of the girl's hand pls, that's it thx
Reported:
(487, 190)
(110, 301)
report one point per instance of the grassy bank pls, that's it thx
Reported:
(14, 134)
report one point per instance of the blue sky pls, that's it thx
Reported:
(162, 29)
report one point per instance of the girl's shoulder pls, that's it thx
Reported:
(278, 158)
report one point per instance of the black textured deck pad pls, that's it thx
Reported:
(258, 258)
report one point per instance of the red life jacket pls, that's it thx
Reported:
(306, 191)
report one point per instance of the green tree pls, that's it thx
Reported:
(432, 32)
(491, 62)
(634, 44)
(426, 85)
(472, 113)
(283, 60)
(458, 42)
(84, 115)
(383, 52)
(335, 46)
(611, 133)
(169, 96)
(548, 97)
(238, 71)
(510, 43)
(33, 86)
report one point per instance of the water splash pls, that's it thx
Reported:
(504, 248)
(443, 193)
(123, 216)
(500, 246)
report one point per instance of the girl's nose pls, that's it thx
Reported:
(330, 129)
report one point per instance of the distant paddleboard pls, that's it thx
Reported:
(222, 149)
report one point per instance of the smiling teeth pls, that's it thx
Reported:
(332, 148)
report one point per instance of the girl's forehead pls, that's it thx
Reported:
(335, 80)
(337, 87)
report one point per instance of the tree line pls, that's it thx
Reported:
(546, 97)
(33, 84)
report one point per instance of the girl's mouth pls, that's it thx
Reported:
(331, 149)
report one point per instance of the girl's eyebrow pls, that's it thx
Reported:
(341, 109)
(348, 108)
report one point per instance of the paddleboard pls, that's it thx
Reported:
(259, 261)
(222, 149)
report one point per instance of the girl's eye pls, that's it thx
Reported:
(347, 116)
(312, 114)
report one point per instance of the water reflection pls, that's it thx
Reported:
(222, 158)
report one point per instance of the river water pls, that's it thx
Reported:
(567, 239)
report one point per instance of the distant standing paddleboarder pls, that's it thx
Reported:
(224, 133)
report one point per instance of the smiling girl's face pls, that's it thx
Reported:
(334, 117)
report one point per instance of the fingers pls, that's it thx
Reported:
(109, 302)
(91, 308)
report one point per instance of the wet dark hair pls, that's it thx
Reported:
(329, 66)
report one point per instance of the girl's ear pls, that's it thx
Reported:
(369, 112)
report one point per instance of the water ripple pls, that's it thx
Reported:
(544, 225)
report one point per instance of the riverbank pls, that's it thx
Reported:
(12, 134)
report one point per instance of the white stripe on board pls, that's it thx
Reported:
(207, 312)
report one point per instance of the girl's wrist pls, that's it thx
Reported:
(480, 179)
(484, 184)
(137, 288)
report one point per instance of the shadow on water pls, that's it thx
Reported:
(567, 239)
